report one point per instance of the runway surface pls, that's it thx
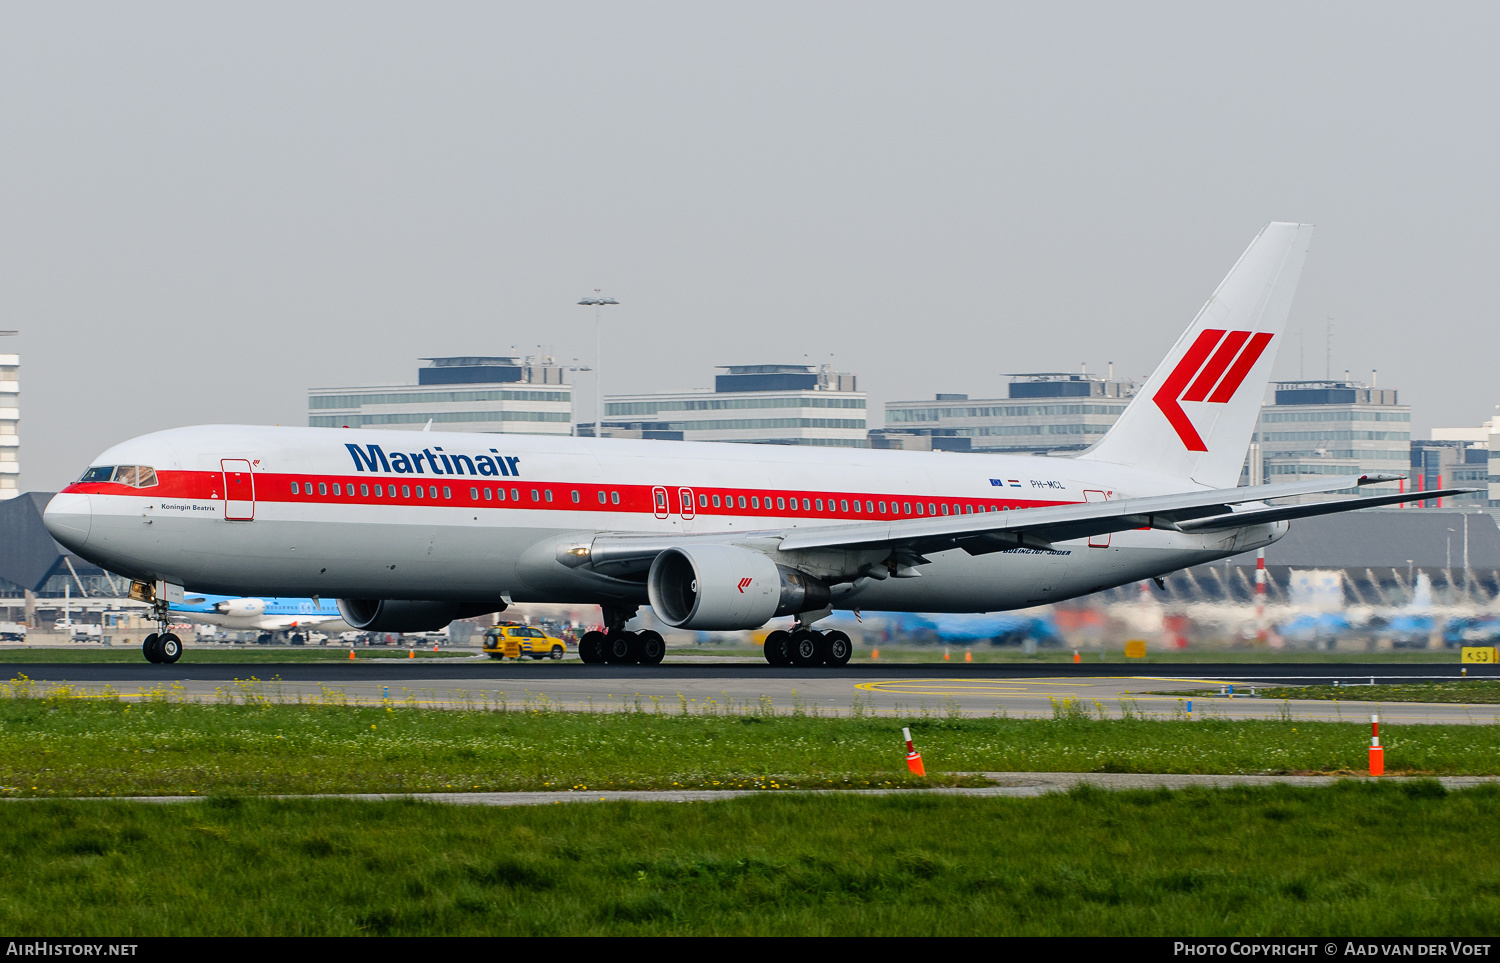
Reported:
(1110, 690)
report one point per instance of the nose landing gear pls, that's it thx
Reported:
(163, 647)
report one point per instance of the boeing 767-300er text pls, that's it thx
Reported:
(413, 530)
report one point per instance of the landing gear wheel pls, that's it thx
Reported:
(778, 648)
(619, 648)
(591, 647)
(806, 650)
(151, 648)
(168, 649)
(836, 649)
(648, 648)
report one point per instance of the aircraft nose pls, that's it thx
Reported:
(68, 518)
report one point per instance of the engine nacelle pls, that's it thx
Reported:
(721, 587)
(388, 615)
(241, 608)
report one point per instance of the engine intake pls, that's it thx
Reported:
(721, 587)
(394, 615)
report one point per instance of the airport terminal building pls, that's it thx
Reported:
(490, 394)
(763, 404)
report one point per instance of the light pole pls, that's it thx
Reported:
(596, 304)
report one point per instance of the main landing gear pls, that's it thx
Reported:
(806, 648)
(616, 646)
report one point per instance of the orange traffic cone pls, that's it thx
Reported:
(1076, 657)
(913, 757)
(434, 647)
(351, 653)
(874, 653)
(1377, 752)
(411, 653)
(945, 654)
(968, 656)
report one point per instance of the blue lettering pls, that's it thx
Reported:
(514, 463)
(400, 463)
(459, 461)
(486, 465)
(368, 458)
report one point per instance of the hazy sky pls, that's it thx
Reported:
(207, 208)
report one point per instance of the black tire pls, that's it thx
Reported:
(836, 648)
(806, 649)
(557, 652)
(649, 647)
(168, 649)
(591, 647)
(619, 648)
(778, 648)
(151, 648)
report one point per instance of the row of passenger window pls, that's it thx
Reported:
(431, 492)
(753, 502)
(868, 507)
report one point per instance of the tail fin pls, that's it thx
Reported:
(1194, 417)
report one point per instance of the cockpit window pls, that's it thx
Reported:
(136, 476)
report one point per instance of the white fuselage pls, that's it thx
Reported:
(293, 511)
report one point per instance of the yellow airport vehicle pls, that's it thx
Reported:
(511, 640)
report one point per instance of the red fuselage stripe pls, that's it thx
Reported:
(469, 492)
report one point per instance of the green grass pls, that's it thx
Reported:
(1354, 859)
(251, 654)
(62, 746)
(1465, 692)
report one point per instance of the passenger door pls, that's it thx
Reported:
(239, 490)
(1097, 541)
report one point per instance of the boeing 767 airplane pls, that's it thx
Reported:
(410, 531)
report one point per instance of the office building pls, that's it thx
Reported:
(1045, 411)
(10, 423)
(490, 394)
(764, 404)
(1318, 428)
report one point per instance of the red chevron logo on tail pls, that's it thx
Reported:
(1211, 371)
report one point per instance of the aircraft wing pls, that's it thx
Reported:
(628, 556)
(1279, 513)
(986, 532)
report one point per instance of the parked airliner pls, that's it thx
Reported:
(413, 530)
(269, 616)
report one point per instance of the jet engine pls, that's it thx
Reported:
(390, 615)
(721, 587)
(241, 608)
